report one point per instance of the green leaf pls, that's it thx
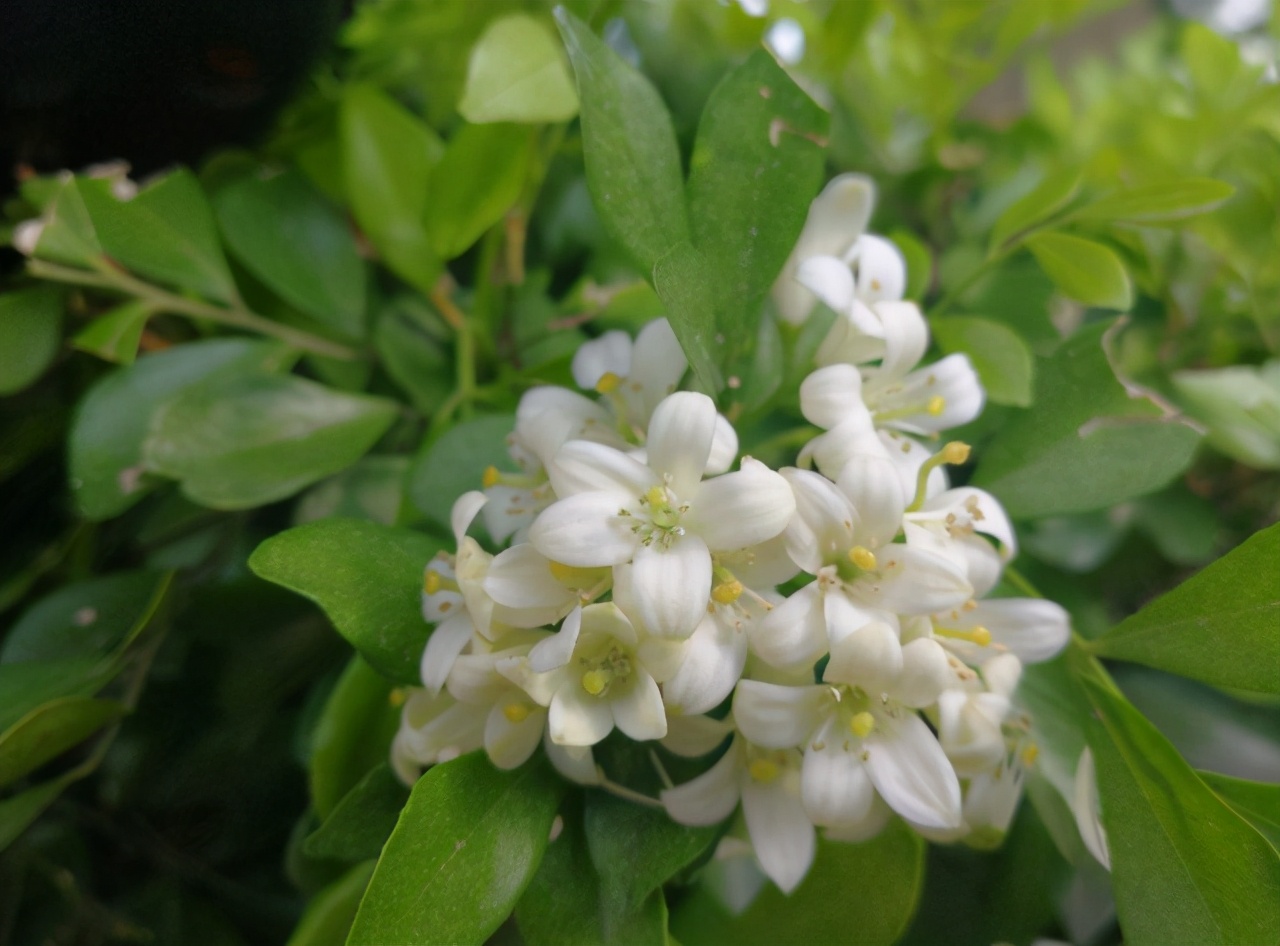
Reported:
(455, 463)
(372, 489)
(757, 162)
(27, 686)
(1087, 443)
(415, 361)
(241, 440)
(467, 844)
(1158, 203)
(486, 167)
(352, 735)
(1084, 270)
(1185, 867)
(68, 235)
(111, 424)
(683, 281)
(1257, 802)
(1216, 626)
(1053, 193)
(51, 729)
(561, 905)
(30, 331)
(114, 336)
(919, 262)
(298, 244)
(635, 851)
(18, 812)
(359, 824)
(860, 893)
(387, 155)
(166, 233)
(629, 146)
(366, 578)
(328, 917)
(999, 355)
(517, 73)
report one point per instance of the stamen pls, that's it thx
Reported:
(1030, 754)
(491, 477)
(976, 635)
(953, 452)
(763, 770)
(727, 592)
(608, 383)
(863, 557)
(937, 404)
(595, 681)
(515, 712)
(862, 724)
(397, 697)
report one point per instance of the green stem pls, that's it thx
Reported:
(1019, 581)
(163, 301)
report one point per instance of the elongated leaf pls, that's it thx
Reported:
(1084, 270)
(242, 440)
(297, 243)
(328, 917)
(1257, 802)
(18, 812)
(517, 73)
(999, 355)
(166, 233)
(372, 489)
(683, 280)
(359, 825)
(561, 907)
(1218, 626)
(27, 686)
(856, 893)
(629, 145)
(367, 579)
(1185, 867)
(51, 729)
(68, 235)
(467, 844)
(1156, 203)
(455, 463)
(107, 475)
(1087, 444)
(30, 330)
(115, 335)
(757, 162)
(485, 166)
(1053, 193)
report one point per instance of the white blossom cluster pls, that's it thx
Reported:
(838, 606)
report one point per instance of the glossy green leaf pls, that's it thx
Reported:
(68, 235)
(467, 844)
(30, 331)
(756, 164)
(288, 235)
(455, 463)
(360, 823)
(19, 811)
(1257, 802)
(352, 735)
(1157, 203)
(371, 489)
(111, 424)
(859, 893)
(517, 73)
(1087, 444)
(486, 167)
(28, 685)
(114, 336)
(387, 155)
(682, 279)
(328, 917)
(242, 440)
(1052, 194)
(51, 729)
(1185, 867)
(1216, 626)
(561, 905)
(366, 577)
(629, 146)
(998, 353)
(1084, 270)
(416, 362)
(166, 233)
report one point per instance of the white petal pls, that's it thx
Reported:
(1001, 674)
(822, 527)
(969, 729)
(871, 825)
(906, 336)
(856, 337)
(610, 353)
(1086, 807)
(581, 466)
(712, 665)
(875, 490)
(670, 587)
(693, 736)
(742, 509)
(781, 832)
(1033, 629)
(443, 647)
(882, 271)
(832, 450)
(584, 530)
(657, 363)
(576, 763)
(680, 435)
(465, 508)
(834, 784)
(912, 774)
(509, 744)
(794, 632)
(638, 709)
(779, 717)
(520, 577)
(724, 447)
(829, 279)
(511, 509)
(474, 679)
(576, 718)
(556, 650)
(909, 581)
(831, 395)
(712, 796)
(926, 672)
(869, 657)
(661, 656)
(843, 616)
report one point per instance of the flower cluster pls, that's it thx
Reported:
(838, 608)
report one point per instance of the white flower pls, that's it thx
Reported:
(434, 728)
(1032, 629)
(660, 522)
(633, 377)
(1087, 808)
(717, 651)
(949, 524)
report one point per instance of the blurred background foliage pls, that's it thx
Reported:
(201, 723)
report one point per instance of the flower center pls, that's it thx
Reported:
(606, 671)
(661, 523)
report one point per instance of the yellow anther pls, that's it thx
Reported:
(608, 383)
(980, 636)
(431, 582)
(491, 476)
(515, 712)
(862, 724)
(955, 452)
(727, 592)
(656, 496)
(975, 635)
(937, 404)
(572, 576)
(863, 557)
(1030, 754)
(397, 697)
(763, 770)
(594, 682)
